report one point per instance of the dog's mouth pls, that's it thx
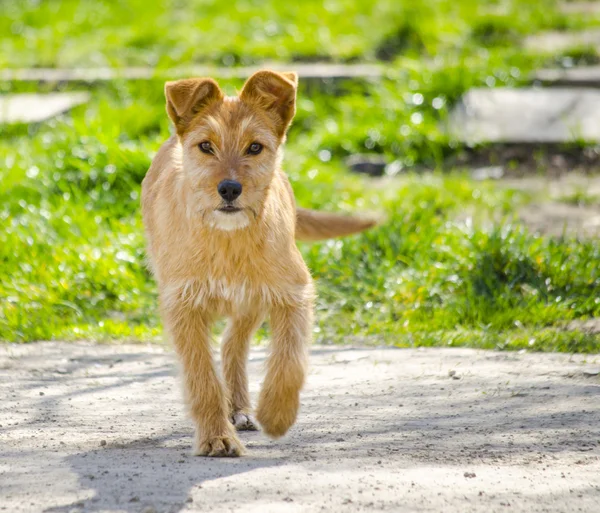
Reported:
(229, 209)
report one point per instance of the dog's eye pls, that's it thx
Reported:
(255, 148)
(206, 147)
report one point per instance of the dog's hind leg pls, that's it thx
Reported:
(234, 351)
(280, 397)
(190, 330)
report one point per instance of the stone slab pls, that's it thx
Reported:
(557, 219)
(529, 115)
(579, 76)
(321, 71)
(93, 428)
(579, 7)
(557, 42)
(33, 108)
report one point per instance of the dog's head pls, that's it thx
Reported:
(231, 145)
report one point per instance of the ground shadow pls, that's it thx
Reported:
(152, 472)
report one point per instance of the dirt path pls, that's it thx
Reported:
(97, 428)
(550, 214)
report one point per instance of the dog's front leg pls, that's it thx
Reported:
(234, 351)
(280, 397)
(215, 436)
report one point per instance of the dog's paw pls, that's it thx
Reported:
(276, 418)
(219, 447)
(244, 422)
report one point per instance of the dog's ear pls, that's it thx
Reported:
(275, 93)
(187, 97)
(292, 76)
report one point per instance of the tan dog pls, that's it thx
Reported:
(221, 223)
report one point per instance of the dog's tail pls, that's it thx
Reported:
(314, 225)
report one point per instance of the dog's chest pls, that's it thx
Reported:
(223, 294)
(228, 275)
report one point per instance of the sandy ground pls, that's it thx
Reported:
(98, 428)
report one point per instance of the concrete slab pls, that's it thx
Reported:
(33, 107)
(321, 71)
(579, 7)
(530, 115)
(557, 219)
(557, 42)
(101, 428)
(580, 76)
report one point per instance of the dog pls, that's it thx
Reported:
(221, 225)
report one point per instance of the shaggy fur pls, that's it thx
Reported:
(241, 263)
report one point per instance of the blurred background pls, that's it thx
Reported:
(471, 123)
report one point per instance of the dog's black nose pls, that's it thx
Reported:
(230, 190)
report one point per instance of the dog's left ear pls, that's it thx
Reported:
(275, 93)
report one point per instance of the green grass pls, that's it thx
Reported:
(71, 33)
(451, 266)
(580, 198)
